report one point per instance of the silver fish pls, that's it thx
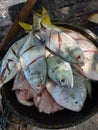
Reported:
(33, 63)
(59, 71)
(83, 79)
(90, 51)
(10, 63)
(63, 45)
(27, 55)
(69, 98)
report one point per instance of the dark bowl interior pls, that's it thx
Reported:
(62, 119)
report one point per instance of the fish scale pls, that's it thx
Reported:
(59, 71)
(69, 98)
(28, 55)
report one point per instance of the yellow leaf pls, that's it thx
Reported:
(25, 26)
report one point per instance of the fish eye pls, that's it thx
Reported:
(76, 102)
(62, 81)
(38, 86)
(78, 57)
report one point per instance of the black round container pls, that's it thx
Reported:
(61, 119)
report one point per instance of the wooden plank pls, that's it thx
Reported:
(15, 26)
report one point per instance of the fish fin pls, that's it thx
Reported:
(26, 26)
(43, 19)
(46, 19)
(89, 89)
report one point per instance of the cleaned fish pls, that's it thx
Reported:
(47, 103)
(59, 71)
(28, 97)
(21, 87)
(23, 97)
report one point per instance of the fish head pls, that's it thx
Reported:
(70, 98)
(76, 99)
(36, 74)
(36, 81)
(77, 55)
(63, 77)
(74, 105)
(36, 85)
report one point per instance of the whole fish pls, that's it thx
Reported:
(59, 71)
(10, 63)
(27, 96)
(56, 39)
(63, 45)
(33, 63)
(90, 51)
(69, 98)
(29, 56)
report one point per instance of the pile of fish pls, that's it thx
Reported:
(52, 67)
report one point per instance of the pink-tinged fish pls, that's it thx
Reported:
(24, 97)
(21, 87)
(47, 103)
(69, 98)
(90, 51)
(27, 96)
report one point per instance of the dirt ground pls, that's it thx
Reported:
(5, 22)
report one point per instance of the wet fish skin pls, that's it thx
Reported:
(43, 101)
(21, 56)
(70, 98)
(56, 39)
(32, 59)
(59, 71)
(36, 74)
(33, 63)
(63, 45)
(10, 63)
(83, 79)
(90, 67)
